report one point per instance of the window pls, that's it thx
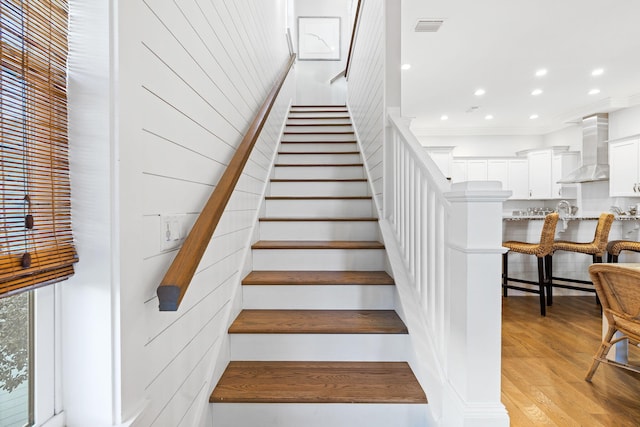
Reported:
(16, 369)
(36, 243)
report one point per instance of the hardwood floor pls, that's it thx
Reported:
(544, 360)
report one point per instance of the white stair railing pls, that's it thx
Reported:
(448, 240)
(418, 213)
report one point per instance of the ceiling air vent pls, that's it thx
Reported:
(428, 25)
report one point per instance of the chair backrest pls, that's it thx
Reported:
(618, 287)
(601, 237)
(548, 233)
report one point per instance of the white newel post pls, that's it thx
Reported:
(473, 344)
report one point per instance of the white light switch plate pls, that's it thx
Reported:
(172, 232)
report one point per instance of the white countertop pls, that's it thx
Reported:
(568, 217)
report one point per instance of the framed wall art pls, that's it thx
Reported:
(319, 38)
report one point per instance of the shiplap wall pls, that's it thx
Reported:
(365, 89)
(191, 76)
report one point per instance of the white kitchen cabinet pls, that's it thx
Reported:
(458, 171)
(469, 170)
(561, 165)
(498, 170)
(518, 178)
(443, 158)
(477, 170)
(624, 175)
(531, 175)
(540, 174)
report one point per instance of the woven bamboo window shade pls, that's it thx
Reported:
(36, 244)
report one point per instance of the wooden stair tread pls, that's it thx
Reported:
(317, 197)
(318, 124)
(318, 105)
(319, 219)
(295, 110)
(318, 152)
(348, 141)
(326, 132)
(316, 244)
(318, 382)
(312, 165)
(316, 117)
(317, 322)
(318, 278)
(319, 180)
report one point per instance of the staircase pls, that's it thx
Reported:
(318, 342)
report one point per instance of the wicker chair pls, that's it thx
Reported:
(618, 286)
(595, 248)
(614, 248)
(540, 250)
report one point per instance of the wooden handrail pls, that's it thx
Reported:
(356, 20)
(177, 279)
(337, 76)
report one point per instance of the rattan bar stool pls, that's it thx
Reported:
(596, 248)
(540, 250)
(614, 248)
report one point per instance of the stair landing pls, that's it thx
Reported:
(318, 382)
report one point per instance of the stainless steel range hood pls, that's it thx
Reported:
(595, 155)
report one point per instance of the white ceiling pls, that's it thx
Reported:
(498, 45)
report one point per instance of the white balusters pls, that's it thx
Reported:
(450, 244)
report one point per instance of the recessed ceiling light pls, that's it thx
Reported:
(444, 117)
(597, 72)
(541, 72)
(533, 116)
(479, 92)
(536, 92)
(594, 91)
(488, 117)
(405, 66)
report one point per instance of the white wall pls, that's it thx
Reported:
(187, 77)
(314, 87)
(623, 123)
(89, 315)
(366, 90)
(570, 136)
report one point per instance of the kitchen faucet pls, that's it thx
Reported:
(616, 210)
(564, 206)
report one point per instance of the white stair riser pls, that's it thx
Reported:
(319, 415)
(319, 188)
(319, 137)
(315, 121)
(319, 297)
(318, 159)
(319, 230)
(319, 208)
(338, 147)
(318, 172)
(319, 129)
(319, 259)
(314, 109)
(319, 347)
